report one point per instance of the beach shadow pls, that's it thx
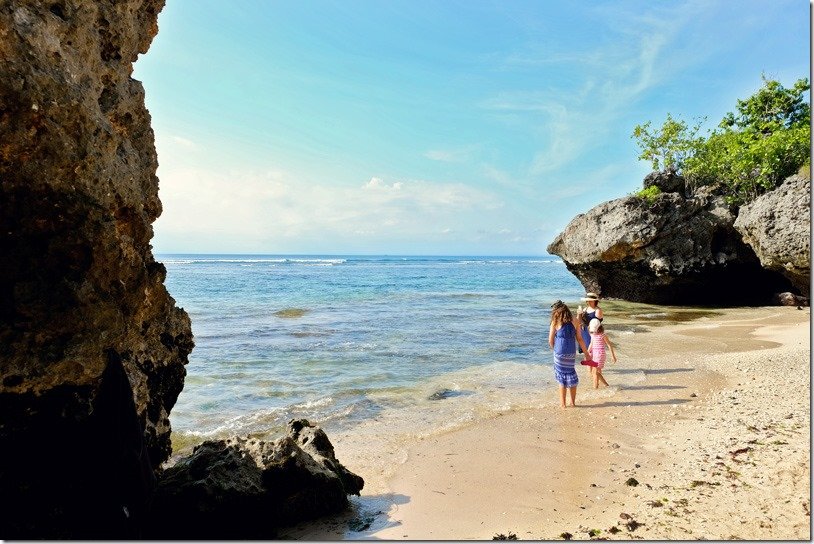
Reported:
(667, 370)
(371, 516)
(648, 387)
(647, 371)
(365, 516)
(619, 404)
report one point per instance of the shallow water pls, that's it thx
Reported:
(422, 344)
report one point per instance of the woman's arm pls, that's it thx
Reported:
(599, 313)
(581, 342)
(551, 332)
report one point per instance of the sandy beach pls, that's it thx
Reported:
(704, 433)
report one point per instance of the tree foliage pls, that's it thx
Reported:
(766, 140)
(669, 146)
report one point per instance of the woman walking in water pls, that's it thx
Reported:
(592, 311)
(563, 338)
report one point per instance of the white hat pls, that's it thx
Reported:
(591, 296)
(594, 325)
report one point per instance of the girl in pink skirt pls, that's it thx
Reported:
(596, 350)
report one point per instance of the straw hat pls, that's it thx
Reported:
(591, 296)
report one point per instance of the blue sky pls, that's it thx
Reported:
(431, 127)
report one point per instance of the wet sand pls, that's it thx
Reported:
(711, 417)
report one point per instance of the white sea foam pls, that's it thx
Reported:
(324, 262)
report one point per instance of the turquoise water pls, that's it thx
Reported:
(343, 340)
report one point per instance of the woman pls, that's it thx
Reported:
(592, 311)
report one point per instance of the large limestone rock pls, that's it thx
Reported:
(244, 488)
(777, 226)
(91, 343)
(669, 251)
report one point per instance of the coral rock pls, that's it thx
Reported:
(671, 251)
(244, 488)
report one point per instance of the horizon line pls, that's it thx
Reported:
(358, 254)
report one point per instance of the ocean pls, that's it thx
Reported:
(357, 343)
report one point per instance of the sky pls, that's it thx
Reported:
(415, 127)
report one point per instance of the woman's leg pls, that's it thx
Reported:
(573, 391)
(562, 396)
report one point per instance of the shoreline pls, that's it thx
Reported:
(701, 397)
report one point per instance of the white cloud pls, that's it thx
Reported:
(186, 143)
(379, 184)
(251, 211)
(570, 118)
(438, 155)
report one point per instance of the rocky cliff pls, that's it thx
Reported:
(85, 320)
(92, 347)
(666, 250)
(777, 226)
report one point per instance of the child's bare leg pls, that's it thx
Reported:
(562, 396)
(595, 375)
(601, 377)
(573, 391)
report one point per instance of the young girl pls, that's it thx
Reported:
(596, 350)
(563, 338)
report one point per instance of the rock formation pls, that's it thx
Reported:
(92, 346)
(244, 488)
(667, 181)
(668, 250)
(777, 226)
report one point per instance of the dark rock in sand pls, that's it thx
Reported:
(442, 394)
(790, 299)
(673, 250)
(93, 347)
(632, 525)
(777, 226)
(243, 488)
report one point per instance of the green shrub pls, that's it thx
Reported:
(750, 152)
(649, 194)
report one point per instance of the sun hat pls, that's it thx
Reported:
(594, 325)
(591, 296)
(557, 304)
